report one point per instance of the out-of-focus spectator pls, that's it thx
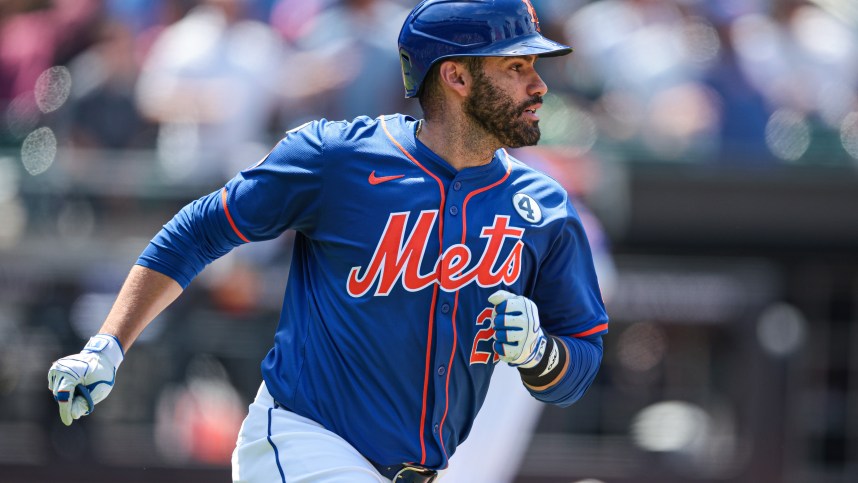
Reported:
(354, 42)
(295, 18)
(801, 59)
(146, 19)
(211, 82)
(642, 60)
(743, 109)
(197, 420)
(105, 113)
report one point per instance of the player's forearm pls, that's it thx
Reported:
(144, 295)
(580, 361)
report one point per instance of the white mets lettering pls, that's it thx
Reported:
(399, 258)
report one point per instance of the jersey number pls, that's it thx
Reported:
(485, 334)
(527, 207)
(524, 204)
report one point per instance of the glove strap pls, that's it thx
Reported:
(535, 356)
(549, 368)
(108, 345)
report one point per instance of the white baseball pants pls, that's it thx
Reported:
(277, 445)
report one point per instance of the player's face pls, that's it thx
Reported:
(506, 93)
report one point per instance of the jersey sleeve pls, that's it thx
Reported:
(567, 291)
(571, 309)
(282, 191)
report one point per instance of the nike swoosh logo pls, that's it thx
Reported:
(373, 179)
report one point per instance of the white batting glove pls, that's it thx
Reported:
(519, 339)
(81, 381)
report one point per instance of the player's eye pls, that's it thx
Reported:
(516, 67)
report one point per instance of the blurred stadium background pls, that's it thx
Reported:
(713, 143)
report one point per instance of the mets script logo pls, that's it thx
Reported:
(398, 257)
(532, 12)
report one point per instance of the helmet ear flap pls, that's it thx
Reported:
(407, 77)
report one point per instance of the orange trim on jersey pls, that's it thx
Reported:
(449, 370)
(592, 331)
(484, 188)
(456, 297)
(229, 216)
(427, 372)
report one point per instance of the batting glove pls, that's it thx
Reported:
(519, 339)
(81, 381)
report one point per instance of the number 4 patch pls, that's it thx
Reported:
(527, 207)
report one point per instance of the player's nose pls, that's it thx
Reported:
(537, 86)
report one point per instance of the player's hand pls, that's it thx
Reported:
(81, 381)
(519, 339)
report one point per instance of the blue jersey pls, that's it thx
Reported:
(385, 334)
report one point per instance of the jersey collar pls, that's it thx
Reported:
(403, 129)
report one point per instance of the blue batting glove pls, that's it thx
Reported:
(519, 340)
(81, 381)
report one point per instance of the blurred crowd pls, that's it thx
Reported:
(213, 83)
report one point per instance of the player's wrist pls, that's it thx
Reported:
(550, 367)
(107, 345)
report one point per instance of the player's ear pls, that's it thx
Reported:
(455, 76)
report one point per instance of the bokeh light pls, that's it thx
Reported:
(39, 150)
(679, 116)
(52, 88)
(563, 123)
(701, 41)
(670, 426)
(787, 134)
(21, 117)
(849, 134)
(781, 329)
(819, 33)
(755, 37)
(641, 347)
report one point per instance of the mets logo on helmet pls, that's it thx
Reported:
(399, 255)
(532, 12)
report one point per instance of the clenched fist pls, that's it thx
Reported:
(519, 339)
(81, 381)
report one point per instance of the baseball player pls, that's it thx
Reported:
(425, 255)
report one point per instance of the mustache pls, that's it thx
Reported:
(529, 102)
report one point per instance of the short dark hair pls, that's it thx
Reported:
(430, 90)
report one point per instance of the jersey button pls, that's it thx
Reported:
(435, 429)
(441, 370)
(454, 210)
(445, 308)
(457, 185)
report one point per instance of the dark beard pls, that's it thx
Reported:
(498, 113)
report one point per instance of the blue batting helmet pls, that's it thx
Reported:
(439, 29)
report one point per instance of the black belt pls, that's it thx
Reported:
(407, 473)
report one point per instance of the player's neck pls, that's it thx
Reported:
(462, 147)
